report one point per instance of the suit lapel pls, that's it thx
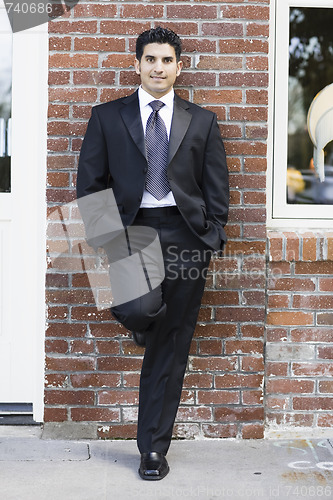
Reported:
(131, 116)
(180, 122)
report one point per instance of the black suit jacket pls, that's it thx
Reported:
(113, 156)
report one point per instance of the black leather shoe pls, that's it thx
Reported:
(153, 466)
(139, 338)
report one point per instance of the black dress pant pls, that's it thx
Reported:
(168, 315)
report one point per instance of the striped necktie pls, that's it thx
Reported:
(157, 145)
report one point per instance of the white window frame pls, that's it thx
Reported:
(29, 154)
(280, 214)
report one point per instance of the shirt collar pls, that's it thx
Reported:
(145, 98)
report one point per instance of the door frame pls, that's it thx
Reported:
(29, 150)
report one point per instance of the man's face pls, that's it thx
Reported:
(158, 68)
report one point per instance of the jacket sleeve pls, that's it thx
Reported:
(96, 202)
(215, 182)
(93, 171)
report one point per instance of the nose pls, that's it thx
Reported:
(158, 66)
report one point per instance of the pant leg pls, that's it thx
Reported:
(186, 261)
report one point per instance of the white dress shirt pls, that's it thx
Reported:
(148, 200)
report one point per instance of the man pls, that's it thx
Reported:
(164, 159)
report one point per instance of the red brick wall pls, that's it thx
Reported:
(92, 365)
(299, 349)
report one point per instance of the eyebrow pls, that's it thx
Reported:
(154, 57)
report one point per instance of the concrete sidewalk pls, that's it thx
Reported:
(35, 469)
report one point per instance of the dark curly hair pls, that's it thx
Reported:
(158, 35)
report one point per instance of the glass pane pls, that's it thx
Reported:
(5, 100)
(310, 122)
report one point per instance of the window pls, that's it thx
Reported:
(303, 114)
(6, 43)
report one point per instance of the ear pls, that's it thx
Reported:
(137, 66)
(179, 67)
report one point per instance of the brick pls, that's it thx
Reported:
(222, 29)
(255, 164)
(213, 347)
(240, 314)
(245, 147)
(311, 335)
(309, 246)
(227, 381)
(73, 27)
(258, 97)
(66, 330)
(213, 397)
(65, 397)
(73, 61)
(286, 351)
(70, 364)
(248, 113)
(81, 346)
(56, 380)
(66, 128)
(253, 431)
(107, 346)
(219, 62)
(245, 12)
(238, 414)
(231, 131)
(57, 313)
(198, 380)
(73, 95)
(256, 29)
(274, 369)
(94, 10)
(118, 397)
(252, 397)
(256, 132)
(99, 44)
(112, 363)
(325, 318)
(55, 414)
(325, 352)
(202, 96)
(243, 346)
(94, 380)
(59, 43)
(277, 403)
(58, 345)
(252, 364)
(57, 145)
(58, 111)
(292, 284)
(219, 430)
(111, 329)
(145, 11)
(283, 386)
(117, 431)
(316, 268)
(317, 302)
(314, 369)
(293, 419)
(118, 61)
(326, 386)
(199, 45)
(313, 403)
(124, 27)
(242, 46)
(257, 63)
(325, 420)
(325, 285)
(57, 162)
(95, 414)
(59, 77)
(197, 79)
(194, 413)
(278, 301)
(85, 110)
(246, 79)
(211, 364)
(191, 12)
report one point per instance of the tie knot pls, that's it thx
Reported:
(156, 105)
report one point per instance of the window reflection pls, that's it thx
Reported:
(5, 101)
(310, 150)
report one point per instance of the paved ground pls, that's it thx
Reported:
(33, 468)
